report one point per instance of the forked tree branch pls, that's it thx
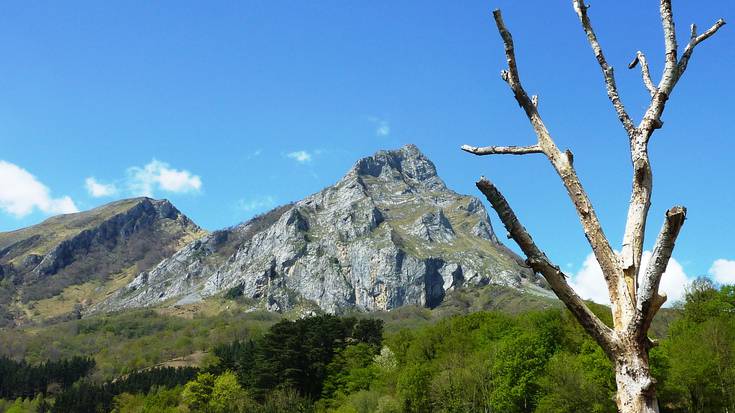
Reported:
(642, 182)
(541, 264)
(633, 293)
(673, 69)
(694, 41)
(640, 199)
(649, 301)
(609, 73)
(562, 163)
(645, 72)
(630, 301)
(502, 150)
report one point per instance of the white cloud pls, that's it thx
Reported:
(674, 281)
(589, 283)
(97, 189)
(157, 175)
(300, 156)
(382, 127)
(723, 271)
(257, 203)
(21, 193)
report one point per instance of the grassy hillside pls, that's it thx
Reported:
(136, 339)
(51, 271)
(40, 238)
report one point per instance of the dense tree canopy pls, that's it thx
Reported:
(537, 361)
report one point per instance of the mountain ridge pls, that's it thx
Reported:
(388, 233)
(40, 262)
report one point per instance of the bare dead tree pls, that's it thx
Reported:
(633, 290)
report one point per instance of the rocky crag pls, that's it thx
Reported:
(79, 255)
(389, 233)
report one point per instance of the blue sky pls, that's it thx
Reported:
(229, 108)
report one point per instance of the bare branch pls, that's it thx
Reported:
(502, 150)
(541, 264)
(667, 21)
(641, 58)
(694, 41)
(642, 177)
(607, 70)
(565, 169)
(511, 75)
(648, 300)
(672, 71)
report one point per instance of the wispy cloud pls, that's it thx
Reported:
(97, 189)
(300, 156)
(21, 193)
(589, 283)
(723, 271)
(157, 175)
(254, 154)
(258, 203)
(382, 127)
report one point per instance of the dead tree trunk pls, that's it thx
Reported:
(633, 290)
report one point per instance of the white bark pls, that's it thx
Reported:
(636, 388)
(508, 150)
(645, 72)
(633, 293)
(649, 300)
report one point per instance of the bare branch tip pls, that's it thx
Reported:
(498, 16)
(677, 213)
(634, 62)
(484, 183)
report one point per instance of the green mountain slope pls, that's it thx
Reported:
(67, 262)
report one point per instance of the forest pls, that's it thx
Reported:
(488, 361)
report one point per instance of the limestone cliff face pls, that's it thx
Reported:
(389, 233)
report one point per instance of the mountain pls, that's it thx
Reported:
(71, 261)
(389, 233)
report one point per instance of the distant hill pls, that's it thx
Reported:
(68, 262)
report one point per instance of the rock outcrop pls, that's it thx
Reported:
(132, 235)
(389, 233)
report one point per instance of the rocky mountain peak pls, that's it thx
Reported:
(407, 164)
(389, 233)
